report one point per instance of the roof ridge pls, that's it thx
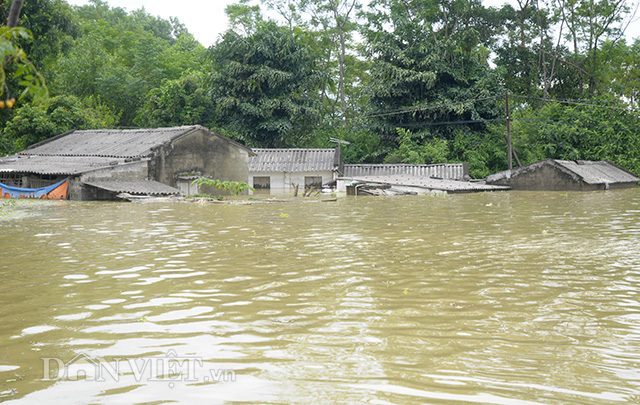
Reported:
(283, 149)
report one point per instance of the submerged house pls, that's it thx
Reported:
(282, 170)
(394, 179)
(564, 175)
(100, 164)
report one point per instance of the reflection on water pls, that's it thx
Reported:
(500, 298)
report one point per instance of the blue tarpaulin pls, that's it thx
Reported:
(18, 192)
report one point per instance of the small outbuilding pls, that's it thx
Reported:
(283, 170)
(564, 175)
(100, 164)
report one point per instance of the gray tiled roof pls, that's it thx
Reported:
(293, 160)
(147, 187)
(452, 171)
(601, 172)
(108, 142)
(55, 164)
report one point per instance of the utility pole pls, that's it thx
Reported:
(509, 144)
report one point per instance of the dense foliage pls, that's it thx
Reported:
(414, 81)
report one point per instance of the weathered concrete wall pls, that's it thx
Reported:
(78, 191)
(281, 182)
(539, 176)
(137, 170)
(202, 153)
(75, 188)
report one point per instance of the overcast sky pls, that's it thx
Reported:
(206, 20)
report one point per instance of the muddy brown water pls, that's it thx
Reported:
(498, 298)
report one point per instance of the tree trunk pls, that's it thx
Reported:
(340, 26)
(14, 13)
(345, 108)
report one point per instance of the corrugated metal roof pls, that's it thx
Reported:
(293, 160)
(147, 187)
(65, 165)
(108, 142)
(451, 186)
(451, 171)
(601, 172)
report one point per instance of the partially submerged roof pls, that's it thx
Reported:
(450, 186)
(295, 160)
(55, 165)
(121, 143)
(452, 171)
(146, 187)
(553, 174)
(601, 172)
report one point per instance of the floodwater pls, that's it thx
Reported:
(496, 298)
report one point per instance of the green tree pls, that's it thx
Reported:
(119, 57)
(183, 101)
(621, 70)
(603, 129)
(265, 86)
(53, 27)
(36, 123)
(429, 68)
(17, 70)
(243, 17)
(414, 152)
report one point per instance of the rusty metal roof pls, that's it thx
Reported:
(108, 142)
(452, 171)
(294, 160)
(54, 165)
(145, 187)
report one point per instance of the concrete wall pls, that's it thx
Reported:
(201, 153)
(281, 182)
(137, 170)
(78, 191)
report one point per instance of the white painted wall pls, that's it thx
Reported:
(282, 182)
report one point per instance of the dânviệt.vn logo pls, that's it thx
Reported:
(167, 368)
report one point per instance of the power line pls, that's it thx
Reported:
(581, 102)
(427, 107)
(569, 99)
(618, 128)
(574, 102)
(433, 124)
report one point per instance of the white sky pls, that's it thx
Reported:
(206, 19)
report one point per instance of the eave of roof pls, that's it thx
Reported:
(146, 187)
(56, 165)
